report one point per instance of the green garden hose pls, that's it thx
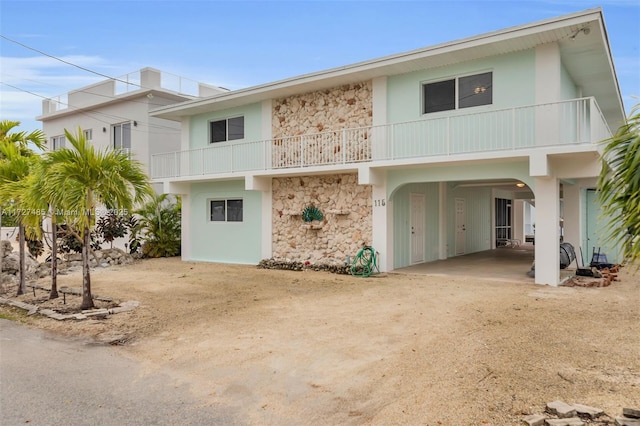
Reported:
(365, 262)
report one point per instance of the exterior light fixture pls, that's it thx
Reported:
(104, 130)
(520, 185)
(584, 30)
(135, 124)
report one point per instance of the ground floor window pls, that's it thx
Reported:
(225, 210)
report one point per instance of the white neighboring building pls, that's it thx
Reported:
(115, 113)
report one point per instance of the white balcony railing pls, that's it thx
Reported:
(578, 121)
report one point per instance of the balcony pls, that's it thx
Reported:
(577, 121)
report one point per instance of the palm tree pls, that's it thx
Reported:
(21, 140)
(82, 178)
(34, 198)
(15, 166)
(619, 186)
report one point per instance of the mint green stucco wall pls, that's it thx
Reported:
(567, 86)
(199, 127)
(513, 85)
(229, 242)
(595, 231)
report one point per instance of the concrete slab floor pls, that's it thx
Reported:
(501, 264)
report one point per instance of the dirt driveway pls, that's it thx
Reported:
(294, 348)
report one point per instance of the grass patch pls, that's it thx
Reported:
(12, 314)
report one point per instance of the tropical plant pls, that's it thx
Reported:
(70, 239)
(15, 166)
(112, 226)
(22, 141)
(36, 200)
(619, 187)
(82, 178)
(158, 227)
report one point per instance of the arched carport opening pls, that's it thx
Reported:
(476, 226)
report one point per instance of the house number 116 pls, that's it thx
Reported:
(379, 203)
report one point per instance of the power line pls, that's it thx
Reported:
(67, 62)
(94, 114)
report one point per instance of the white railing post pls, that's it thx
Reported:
(593, 136)
(448, 135)
(513, 128)
(201, 161)
(175, 163)
(302, 151)
(343, 142)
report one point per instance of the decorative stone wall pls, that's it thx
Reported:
(347, 224)
(333, 109)
(325, 112)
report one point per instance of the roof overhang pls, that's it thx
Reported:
(587, 58)
(167, 95)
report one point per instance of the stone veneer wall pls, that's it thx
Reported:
(338, 108)
(347, 224)
(345, 204)
(307, 128)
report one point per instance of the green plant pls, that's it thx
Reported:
(158, 227)
(112, 226)
(619, 187)
(69, 240)
(35, 245)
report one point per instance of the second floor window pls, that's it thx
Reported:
(228, 129)
(58, 142)
(457, 93)
(122, 136)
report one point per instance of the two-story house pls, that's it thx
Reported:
(114, 113)
(420, 154)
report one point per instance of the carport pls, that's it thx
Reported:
(500, 264)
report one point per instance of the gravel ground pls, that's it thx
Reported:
(294, 348)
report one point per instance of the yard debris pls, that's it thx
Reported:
(304, 266)
(559, 413)
(599, 278)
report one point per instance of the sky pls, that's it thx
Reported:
(238, 44)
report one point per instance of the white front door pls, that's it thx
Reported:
(461, 226)
(417, 228)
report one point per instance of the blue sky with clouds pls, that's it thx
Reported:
(237, 44)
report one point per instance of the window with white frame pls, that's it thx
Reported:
(228, 129)
(121, 136)
(88, 134)
(225, 210)
(58, 142)
(456, 93)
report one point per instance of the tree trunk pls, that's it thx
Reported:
(87, 300)
(54, 258)
(22, 288)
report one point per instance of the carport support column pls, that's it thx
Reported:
(547, 251)
(382, 215)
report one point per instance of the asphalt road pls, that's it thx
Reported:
(50, 380)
